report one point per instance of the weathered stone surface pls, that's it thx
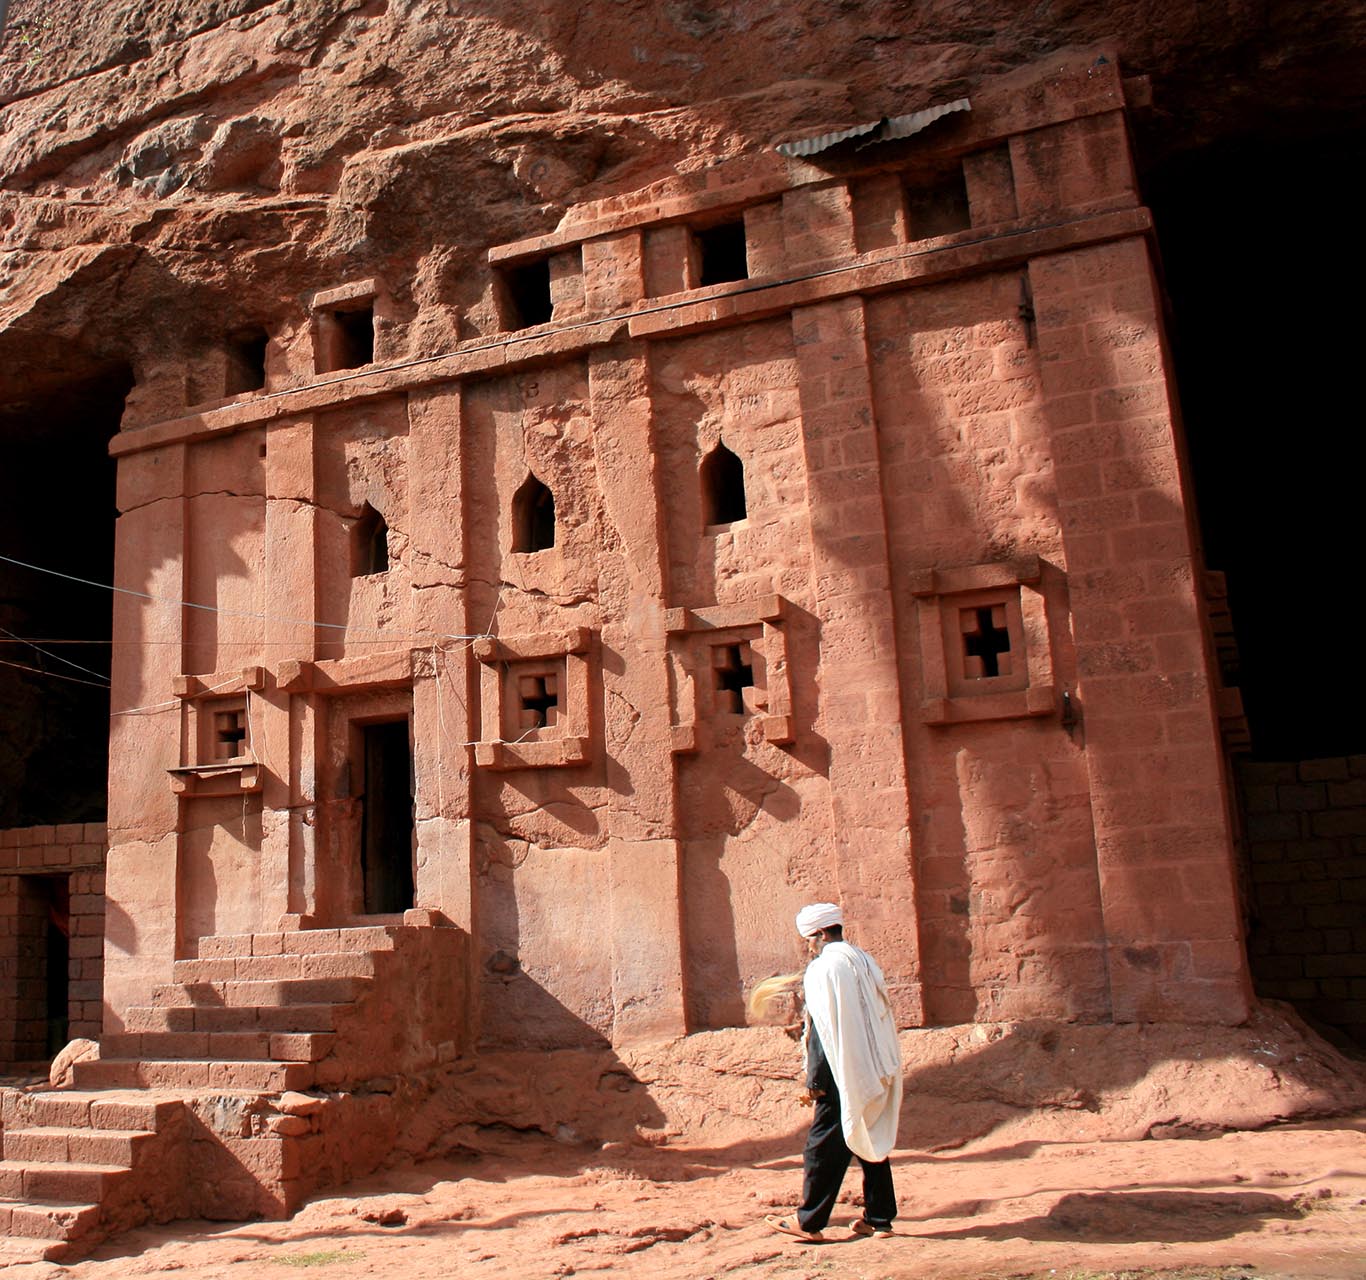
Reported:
(61, 1074)
(604, 534)
(249, 150)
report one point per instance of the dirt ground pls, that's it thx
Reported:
(1288, 1201)
(1065, 1152)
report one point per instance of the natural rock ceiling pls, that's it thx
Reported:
(170, 169)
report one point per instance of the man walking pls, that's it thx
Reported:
(853, 1075)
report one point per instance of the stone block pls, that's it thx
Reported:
(1332, 768)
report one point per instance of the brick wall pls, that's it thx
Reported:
(1306, 832)
(40, 866)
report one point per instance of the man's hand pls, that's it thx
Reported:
(793, 1030)
(809, 1096)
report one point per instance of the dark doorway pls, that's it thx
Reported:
(387, 818)
(43, 927)
(1263, 336)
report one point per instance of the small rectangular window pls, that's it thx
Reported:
(937, 206)
(346, 339)
(526, 299)
(721, 253)
(246, 361)
(223, 731)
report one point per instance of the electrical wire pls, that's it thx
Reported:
(206, 608)
(172, 702)
(52, 675)
(56, 657)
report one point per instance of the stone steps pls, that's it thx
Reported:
(49, 1144)
(63, 1153)
(221, 1046)
(235, 994)
(270, 1019)
(23, 1224)
(188, 1073)
(300, 942)
(64, 1181)
(250, 1015)
(321, 964)
(86, 1109)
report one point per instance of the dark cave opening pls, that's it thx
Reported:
(1254, 252)
(1263, 349)
(57, 510)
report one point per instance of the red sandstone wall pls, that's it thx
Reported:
(1306, 834)
(928, 426)
(1011, 918)
(74, 853)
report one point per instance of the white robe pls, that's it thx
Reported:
(847, 1002)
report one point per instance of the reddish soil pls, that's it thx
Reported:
(1026, 1150)
(1289, 1201)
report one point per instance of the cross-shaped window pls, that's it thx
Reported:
(229, 734)
(540, 699)
(986, 641)
(733, 670)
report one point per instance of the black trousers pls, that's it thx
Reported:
(826, 1158)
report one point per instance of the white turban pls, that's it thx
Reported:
(819, 915)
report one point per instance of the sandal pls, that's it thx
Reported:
(862, 1227)
(791, 1227)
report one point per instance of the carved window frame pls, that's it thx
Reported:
(200, 773)
(950, 694)
(361, 295)
(760, 625)
(504, 659)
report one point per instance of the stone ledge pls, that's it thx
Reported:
(929, 263)
(1008, 244)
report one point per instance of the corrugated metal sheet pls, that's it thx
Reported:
(875, 131)
(811, 146)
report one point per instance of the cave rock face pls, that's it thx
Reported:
(254, 151)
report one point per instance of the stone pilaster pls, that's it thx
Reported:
(281, 740)
(1174, 939)
(646, 925)
(445, 683)
(860, 698)
(142, 873)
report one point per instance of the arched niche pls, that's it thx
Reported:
(369, 544)
(533, 516)
(723, 487)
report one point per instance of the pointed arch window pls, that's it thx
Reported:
(723, 487)
(533, 517)
(369, 544)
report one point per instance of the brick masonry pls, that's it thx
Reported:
(36, 865)
(1306, 837)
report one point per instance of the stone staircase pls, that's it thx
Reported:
(70, 1165)
(190, 1079)
(270, 1012)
